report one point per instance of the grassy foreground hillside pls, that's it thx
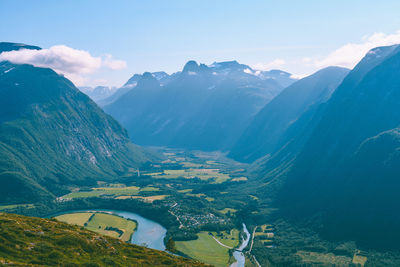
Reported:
(35, 241)
(102, 223)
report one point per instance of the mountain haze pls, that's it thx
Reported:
(98, 93)
(201, 107)
(269, 129)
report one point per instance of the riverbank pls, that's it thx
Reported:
(105, 223)
(148, 233)
(238, 253)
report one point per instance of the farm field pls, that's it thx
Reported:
(228, 238)
(226, 210)
(205, 249)
(102, 223)
(212, 167)
(110, 191)
(146, 199)
(190, 173)
(324, 258)
(239, 179)
(358, 259)
(79, 218)
(265, 234)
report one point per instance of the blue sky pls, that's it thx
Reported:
(296, 36)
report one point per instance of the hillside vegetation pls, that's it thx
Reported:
(53, 136)
(347, 172)
(43, 242)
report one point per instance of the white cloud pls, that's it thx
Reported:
(277, 63)
(113, 63)
(72, 63)
(248, 71)
(350, 54)
(298, 76)
(100, 81)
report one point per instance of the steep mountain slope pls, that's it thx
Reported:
(347, 173)
(53, 136)
(30, 241)
(202, 107)
(268, 131)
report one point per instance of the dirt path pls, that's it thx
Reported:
(221, 243)
(252, 239)
(180, 223)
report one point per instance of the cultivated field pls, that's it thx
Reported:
(230, 238)
(204, 174)
(323, 258)
(205, 249)
(79, 218)
(145, 199)
(102, 223)
(226, 210)
(110, 192)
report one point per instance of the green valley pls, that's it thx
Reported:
(28, 241)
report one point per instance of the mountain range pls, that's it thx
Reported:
(53, 136)
(98, 93)
(274, 126)
(202, 107)
(337, 166)
(325, 148)
(350, 161)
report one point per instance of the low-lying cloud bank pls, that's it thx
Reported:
(347, 55)
(72, 63)
(350, 54)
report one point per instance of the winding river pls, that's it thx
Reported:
(148, 232)
(151, 234)
(238, 254)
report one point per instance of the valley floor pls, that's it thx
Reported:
(202, 199)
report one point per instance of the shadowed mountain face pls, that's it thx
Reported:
(53, 136)
(202, 107)
(5, 47)
(347, 172)
(274, 125)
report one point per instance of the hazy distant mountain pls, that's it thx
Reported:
(202, 107)
(270, 129)
(283, 78)
(231, 68)
(53, 136)
(347, 173)
(98, 93)
(161, 76)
